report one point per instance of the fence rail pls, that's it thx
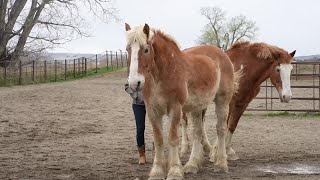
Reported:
(18, 73)
(305, 80)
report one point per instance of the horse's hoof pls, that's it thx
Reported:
(207, 149)
(183, 153)
(190, 168)
(232, 157)
(213, 158)
(174, 178)
(157, 178)
(220, 168)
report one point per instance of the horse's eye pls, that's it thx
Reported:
(146, 50)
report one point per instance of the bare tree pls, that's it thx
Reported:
(223, 33)
(34, 25)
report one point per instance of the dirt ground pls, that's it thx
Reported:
(85, 129)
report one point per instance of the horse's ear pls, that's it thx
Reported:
(128, 28)
(293, 53)
(146, 30)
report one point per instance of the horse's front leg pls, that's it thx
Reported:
(175, 113)
(158, 168)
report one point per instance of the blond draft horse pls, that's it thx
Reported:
(258, 62)
(174, 82)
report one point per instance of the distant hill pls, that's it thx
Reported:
(62, 56)
(308, 58)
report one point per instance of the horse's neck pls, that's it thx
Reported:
(258, 72)
(166, 56)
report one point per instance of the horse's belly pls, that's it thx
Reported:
(196, 102)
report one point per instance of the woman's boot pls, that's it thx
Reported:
(142, 155)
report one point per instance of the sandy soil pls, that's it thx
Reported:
(85, 129)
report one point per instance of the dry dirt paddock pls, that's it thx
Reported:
(85, 129)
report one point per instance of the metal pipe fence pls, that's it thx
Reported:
(305, 87)
(19, 73)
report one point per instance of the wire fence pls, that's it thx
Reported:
(305, 78)
(305, 87)
(59, 70)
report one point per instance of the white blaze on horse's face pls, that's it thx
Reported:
(136, 80)
(285, 71)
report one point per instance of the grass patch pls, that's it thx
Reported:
(247, 114)
(61, 77)
(287, 114)
(279, 114)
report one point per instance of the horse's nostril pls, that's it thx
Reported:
(139, 82)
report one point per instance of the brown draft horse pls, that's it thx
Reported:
(258, 61)
(174, 82)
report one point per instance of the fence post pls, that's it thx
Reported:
(121, 58)
(296, 71)
(85, 66)
(271, 97)
(33, 71)
(266, 95)
(117, 60)
(55, 70)
(20, 72)
(107, 60)
(45, 70)
(313, 82)
(74, 68)
(111, 61)
(65, 69)
(5, 72)
(96, 63)
(127, 63)
(78, 67)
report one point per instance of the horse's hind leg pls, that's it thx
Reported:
(222, 109)
(184, 135)
(157, 171)
(196, 156)
(205, 141)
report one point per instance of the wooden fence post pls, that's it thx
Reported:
(20, 72)
(111, 61)
(45, 70)
(117, 60)
(96, 63)
(33, 70)
(65, 69)
(55, 70)
(107, 60)
(85, 66)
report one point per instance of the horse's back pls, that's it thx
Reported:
(223, 63)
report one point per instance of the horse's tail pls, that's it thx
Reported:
(237, 76)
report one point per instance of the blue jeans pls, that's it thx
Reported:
(140, 117)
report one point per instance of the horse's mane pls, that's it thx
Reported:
(136, 34)
(261, 50)
(168, 37)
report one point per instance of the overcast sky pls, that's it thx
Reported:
(291, 25)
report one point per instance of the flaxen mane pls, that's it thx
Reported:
(262, 50)
(137, 35)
